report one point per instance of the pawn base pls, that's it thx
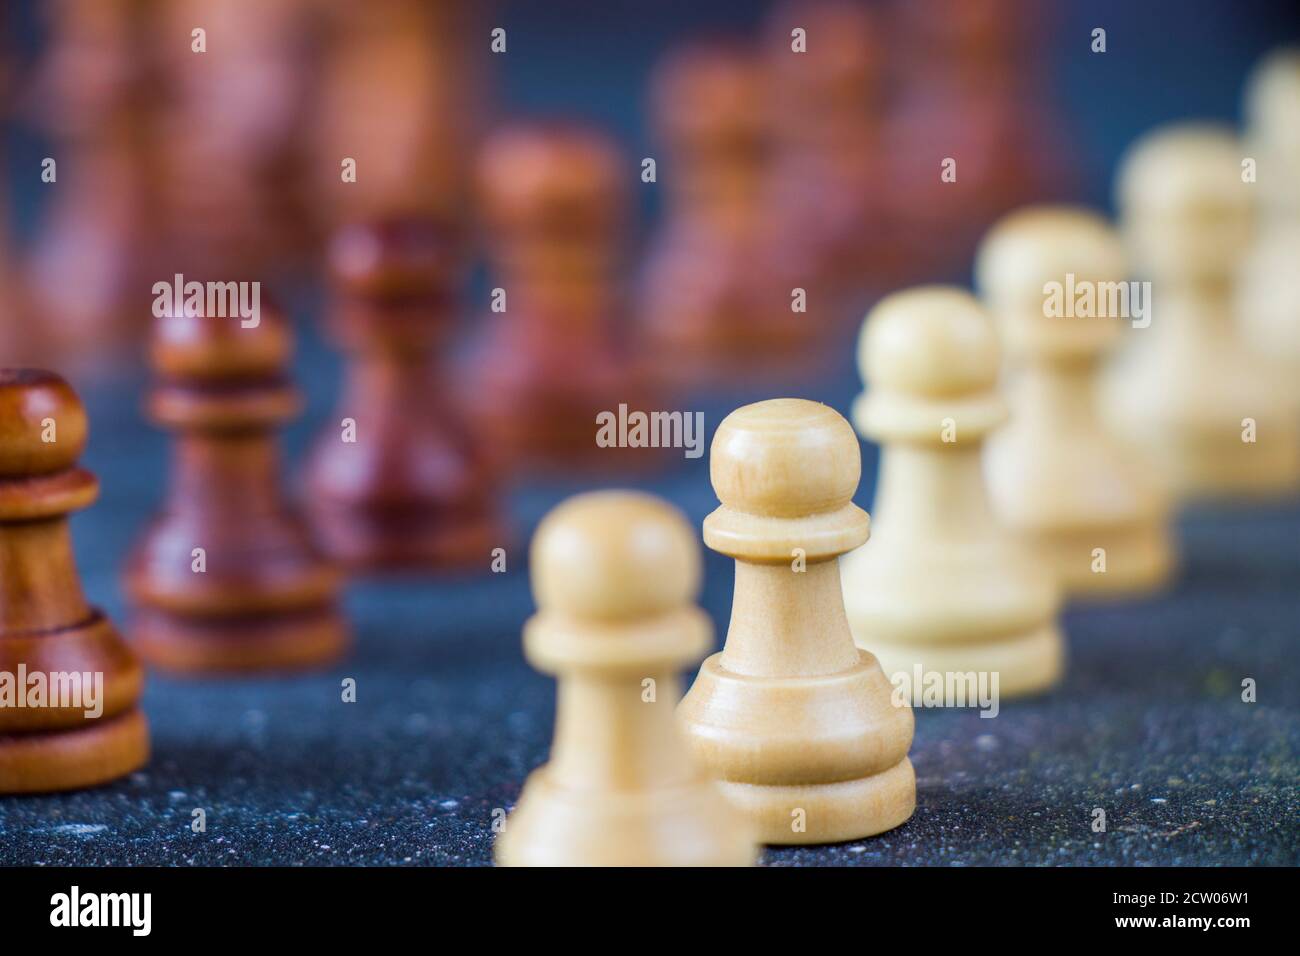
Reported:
(362, 540)
(102, 751)
(201, 645)
(1139, 560)
(1025, 665)
(557, 826)
(1249, 472)
(828, 812)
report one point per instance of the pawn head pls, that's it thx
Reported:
(395, 257)
(1273, 98)
(614, 556)
(552, 177)
(1186, 202)
(1273, 126)
(187, 346)
(930, 359)
(42, 423)
(1039, 251)
(785, 458)
(930, 342)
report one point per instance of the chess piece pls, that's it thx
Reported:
(399, 104)
(716, 301)
(396, 481)
(614, 575)
(226, 578)
(91, 262)
(48, 633)
(1188, 391)
(554, 201)
(1055, 474)
(971, 133)
(1273, 131)
(829, 173)
(942, 588)
(232, 152)
(798, 723)
(1268, 303)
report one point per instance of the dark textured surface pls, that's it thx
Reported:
(1149, 725)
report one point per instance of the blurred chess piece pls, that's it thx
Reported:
(226, 578)
(232, 128)
(971, 105)
(615, 575)
(1269, 286)
(716, 301)
(943, 588)
(1188, 391)
(397, 479)
(801, 726)
(19, 342)
(94, 258)
(46, 626)
(1056, 475)
(554, 201)
(829, 177)
(399, 108)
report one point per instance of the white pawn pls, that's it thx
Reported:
(614, 575)
(1206, 411)
(942, 588)
(1269, 285)
(1272, 110)
(802, 727)
(1078, 497)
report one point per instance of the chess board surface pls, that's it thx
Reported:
(449, 719)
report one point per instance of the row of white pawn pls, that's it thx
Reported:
(792, 733)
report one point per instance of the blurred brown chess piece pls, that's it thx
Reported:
(46, 626)
(554, 201)
(716, 302)
(970, 105)
(396, 479)
(233, 123)
(400, 105)
(829, 178)
(18, 344)
(226, 577)
(93, 261)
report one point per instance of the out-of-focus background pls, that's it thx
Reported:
(226, 165)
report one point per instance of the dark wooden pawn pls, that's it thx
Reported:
(227, 578)
(47, 629)
(396, 480)
(554, 198)
(714, 298)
